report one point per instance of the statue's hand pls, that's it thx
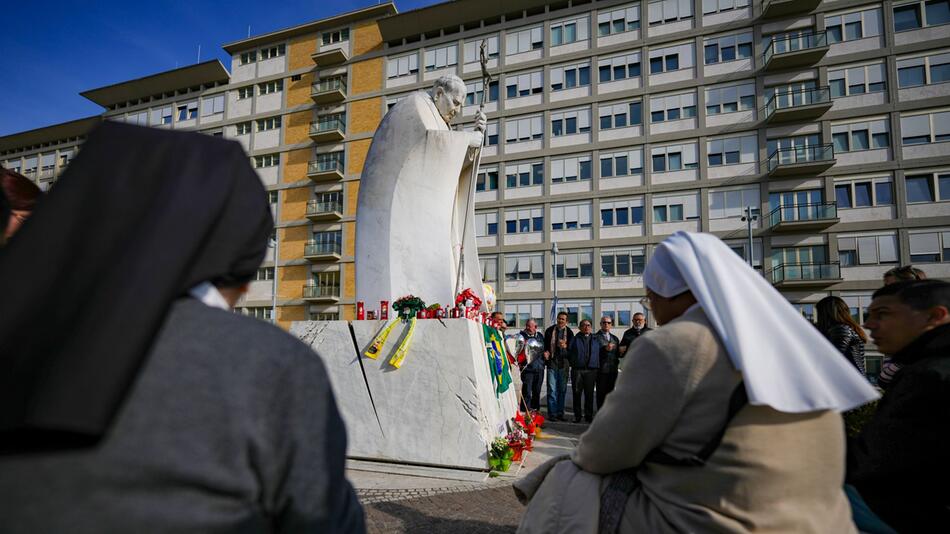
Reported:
(481, 122)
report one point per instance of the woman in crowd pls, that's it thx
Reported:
(730, 423)
(836, 323)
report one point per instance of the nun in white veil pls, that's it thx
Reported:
(726, 419)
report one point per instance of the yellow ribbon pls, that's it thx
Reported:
(403, 349)
(377, 346)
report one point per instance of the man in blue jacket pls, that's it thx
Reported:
(585, 361)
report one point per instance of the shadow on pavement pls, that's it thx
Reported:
(480, 512)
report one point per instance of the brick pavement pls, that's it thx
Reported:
(486, 511)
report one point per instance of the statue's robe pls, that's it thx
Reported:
(414, 193)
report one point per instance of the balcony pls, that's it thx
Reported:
(327, 130)
(317, 293)
(795, 51)
(325, 170)
(328, 58)
(328, 91)
(798, 105)
(802, 160)
(800, 275)
(314, 251)
(803, 217)
(783, 8)
(324, 211)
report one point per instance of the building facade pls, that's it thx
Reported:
(612, 124)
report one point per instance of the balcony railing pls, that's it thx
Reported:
(325, 166)
(801, 154)
(803, 213)
(805, 272)
(327, 125)
(796, 43)
(328, 85)
(311, 291)
(313, 248)
(797, 98)
(315, 207)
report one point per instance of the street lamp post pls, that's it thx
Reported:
(748, 218)
(554, 251)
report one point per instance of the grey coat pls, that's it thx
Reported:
(231, 425)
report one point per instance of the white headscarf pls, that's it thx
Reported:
(785, 361)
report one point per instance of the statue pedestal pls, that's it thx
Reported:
(439, 408)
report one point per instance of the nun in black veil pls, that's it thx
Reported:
(131, 398)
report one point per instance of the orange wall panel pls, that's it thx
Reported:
(288, 314)
(352, 195)
(301, 48)
(292, 241)
(349, 280)
(356, 155)
(294, 207)
(364, 115)
(298, 128)
(295, 165)
(366, 38)
(298, 93)
(291, 280)
(366, 76)
(349, 238)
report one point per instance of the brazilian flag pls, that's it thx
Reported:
(497, 362)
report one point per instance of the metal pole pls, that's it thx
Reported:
(748, 218)
(554, 251)
(273, 312)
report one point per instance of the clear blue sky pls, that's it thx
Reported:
(52, 51)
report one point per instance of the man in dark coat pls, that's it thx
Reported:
(609, 360)
(899, 462)
(638, 329)
(532, 375)
(585, 361)
(557, 343)
(133, 399)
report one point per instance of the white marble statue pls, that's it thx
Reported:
(414, 194)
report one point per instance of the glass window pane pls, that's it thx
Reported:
(919, 189)
(910, 76)
(840, 141)
(906, 17)
(938, 12)
(862, 195)
(883, 192)
(837, 87)
(943, 185)
(843, 196)
(859, 140)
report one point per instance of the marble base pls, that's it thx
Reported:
(439, 408)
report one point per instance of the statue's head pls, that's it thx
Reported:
(448, 93)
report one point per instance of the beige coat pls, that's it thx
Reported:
(773, 472)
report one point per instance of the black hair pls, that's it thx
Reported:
(562, 313)
(918, 294)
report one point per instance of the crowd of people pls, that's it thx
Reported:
(133, 400)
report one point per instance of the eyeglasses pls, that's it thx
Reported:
(645, 302)
(606, 322)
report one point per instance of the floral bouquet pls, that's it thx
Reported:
(465, 295)
(407, 307)
(500, 455)
(537, 418)
(519, 441)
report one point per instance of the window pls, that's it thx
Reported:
(524, 267)
(620, 20)
(622, 262)
(487, 180)
(440, 58)
(524, 41)
(624, 163)
(248, 57)
(65, 156)
(324, 316)
(398, 67)
(673, 208)
(931, 127)
(328, 240)
(524, 221)
(212, 105)
(491, 131)
(792, 147)
(242, 128)
(855, 136)
(272, 197)
(524, 174)
(30, 166)
(728, 48)
(48, 163)
(13, 165)
(330, 160)
(393, 100)
(673, 157)
(338, 36)
(272, 52)
(621, 311)
(719, 6)
(577, 311)
(486, 224)
(267, 160)
(141, 118)
(672, 107)
(666, 11)
(475, 91)
(926, 70)
(569, 31)
(518, 313)
(264, 313)
(270, 123)
(867, 250)
(741, 248)
(162, 115)
(622, 212)
(570, 169)
(730, 99)
(929, 187)
(671, 58)
(574, 265)
(570, 216)
(570, 76)
(853, 26)
(489, 268)
(270, 87)
(529, 83)
(570, 122)
(732, 150)
(731, 203)
(864, 193)
(264, 273)
(524, 129)
(471, 49)
(857, 80)
(619, 67)
(620, 115)
(930, 247)
(245, 92)
(921, 14)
